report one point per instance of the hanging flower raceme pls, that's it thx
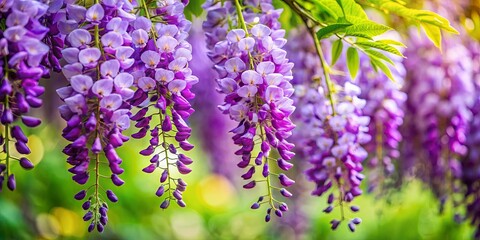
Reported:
(330, 137)
(21, 55)
(385, 107)
(96, 101)
(436, 128)
(255, 77)
(471, 162)
(164, 80)
(206, 112)
(56, 36)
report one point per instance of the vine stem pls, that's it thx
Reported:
(97, 116)
(306, 16)
(326, 70)
(145, 7)
(166, 160)
(318, 47)
(6, 127)
(243, 25)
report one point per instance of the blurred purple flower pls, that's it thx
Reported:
(21, 56)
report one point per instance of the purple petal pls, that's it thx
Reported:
(95, 13)
(112, 40)
(146, 84)
(176, 86)
(70, 54)
(139, 38)
(251, 77)
(89, 56)
(166, 44)
(79, 37)
(111, 102)
(164, 76)
(81, 83)
(150, 58)
(110, 68)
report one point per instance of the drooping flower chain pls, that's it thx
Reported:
(329, 137)
(164, 80)
(254, 75)
(385, 107)
(21, 55)
(96, 101)
(436, 129)
(55, 38)
(471, 162)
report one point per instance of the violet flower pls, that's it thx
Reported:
(21, 55)
(385, 104)
(441, 94)
(96, 101)
(329, 137)
(164, 80)
(254, 75)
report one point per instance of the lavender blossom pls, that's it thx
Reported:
(385, 107)
(21, 55)
(164, 80)
(329, 137)
(254, 75)
(96, 101)
(436, 129)
(471, 162)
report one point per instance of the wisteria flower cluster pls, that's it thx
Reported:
(255, 78)
(439, 125)
(164, 80)
(471, 162)
(97, 105)
(385, 103)
(129, 66)
(21, 54)
(330, 137)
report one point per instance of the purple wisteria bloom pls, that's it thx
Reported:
(435, 130)
(471, 162)
(254, 75)
(21, 56)
(385, 106)
(329, 137)
(164, 80)
(97, 98)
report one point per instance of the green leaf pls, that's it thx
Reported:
(434, 34)
(329, 6)
(337, 48)
(194, 8)
(331, 29)
(352, 9)
(419, 16)
(392, 42)
(366, 28)
(353, 61)
(378, 55)
(380, 65)
(381, 46)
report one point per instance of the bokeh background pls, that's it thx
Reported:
(43, 207)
